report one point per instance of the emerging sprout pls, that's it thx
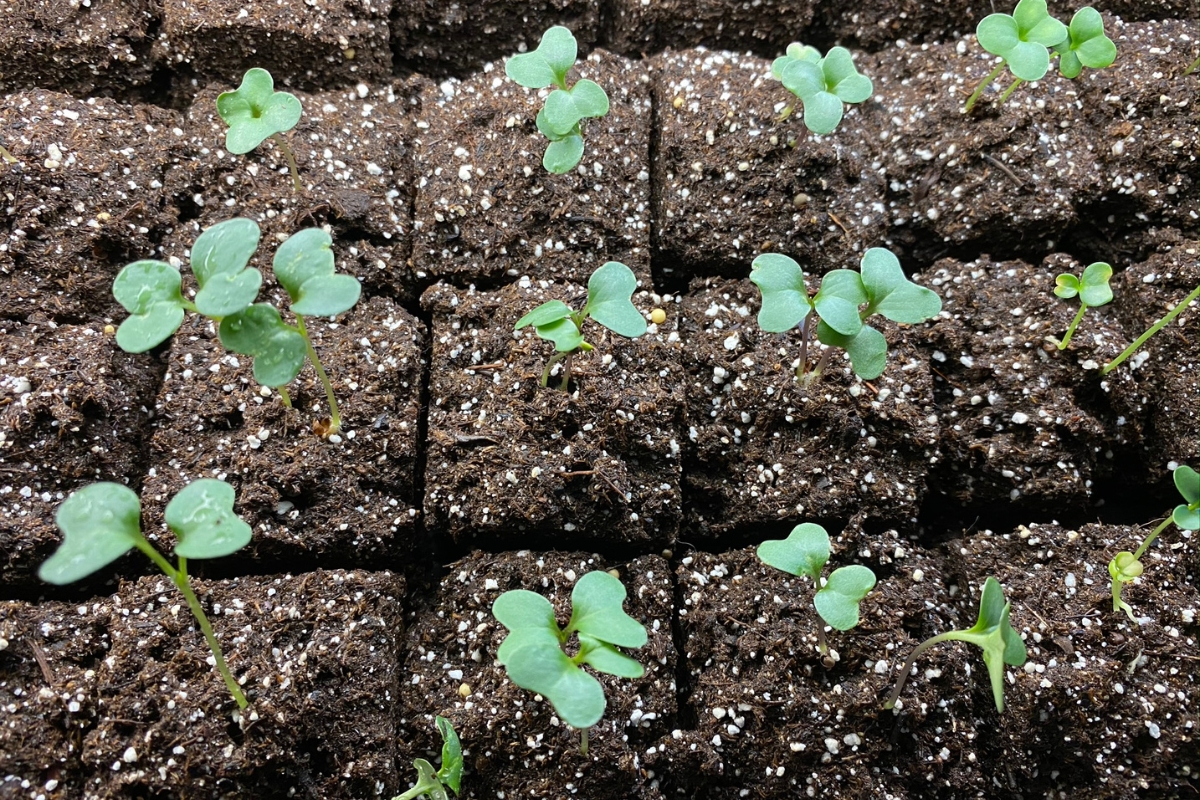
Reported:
(1193, 67)
(836, 307)
(805, 552)
(1091, 287)
(151, 292)
(609, 302)
(992, 633)
(1126, 566)
(533, 656)
(7, 157)
(567, 106)
(255, 112)
(102, 522)
(1153, 329)
(433, 784)
(822, 84)
(1025, 39)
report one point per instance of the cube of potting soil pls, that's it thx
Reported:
(765, 27)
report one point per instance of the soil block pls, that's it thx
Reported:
(487, 208)
(347, 500)
(732, 180)
(126, 704)
(76, 409)
(440, 38)
(638, 27)
(85, 198)
(514, 744)
(763, 447)
(514, 463)
(300, 42)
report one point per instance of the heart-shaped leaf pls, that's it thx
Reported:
(100, 523)
(1094, 289)
(256, 111)
(1023, 38)
(576, 696)
(304, 267)
(842, 78)
(610, 300)
(803, 78)
(822, 112)
(279, 351)
(838, 299)
(521, 609)
(998, 34)
(1187, 481)
(527, 637)
(548, 64)
(604, 657)
(559, 116)
(451, 770)
(219, 259)
(590, 100)
(596, 609)
(202, 519)
(1029, 61)
(151, 292)
(837, 601)
(804, 552)
(867, 349)
(795, 52)
(891, 293)
(1066, 285)
(563, 155)
(785, 301)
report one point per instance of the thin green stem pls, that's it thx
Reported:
(554, 359)
(822, 646)
(1150, 539)
(583, 742)
(991, 76)
(291, 159)
(1155, 328)
(335, 416)
(1195, 65)
(1009, 90)
(908, 665)
(284, 396)
(7, 156)
(1071, 330)
(566, 378)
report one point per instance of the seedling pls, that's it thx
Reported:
(1127, 566)
(102, 522)
(837, 308)
(609, 302)
(822, 84)
(1092, 289)
(533, 655)
(255, 112)
(433, 784)
(992, 633)
(1153, 329)
(805, 552)
(567, 106)
(152, 293)
(6, 156)
(1086, 45)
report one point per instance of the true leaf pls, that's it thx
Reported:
(450, 772)
(279, 351)
(804, 552)
(563, 155)
(606, 658)
(785, 300)
(610, 293)
(219, 259)
(304, 266)
(202, 519)
(151, 292)
(100, 523)
(256, 111)
(837, 601)
(596, 610)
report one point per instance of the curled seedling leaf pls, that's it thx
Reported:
(255, 111)
(1092, 289)
(434, 784)
(822, 84)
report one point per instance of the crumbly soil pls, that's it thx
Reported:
(115, 697)
(486, 208)
(514, 744)
(764, 26)
(511, 462)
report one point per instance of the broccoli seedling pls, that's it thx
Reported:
(1126, 566)
(821, 84)
(1153, 329)
(837, 308)
(254, 112)
(1092, 289)
(1086, 45)
(151, 291)
(805, 552)
(567, 106)
(533, 655)
(609, 302)
(102, 522)
(433, 784)
(991, 632)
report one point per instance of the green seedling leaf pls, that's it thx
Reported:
(823, 85)
(450, 772)
(804, 552)
(565, 334)
(1093, 284)
(548, 64)
(100, 523)
(577, 697)
(279, 350)
(606, 658)
(219, 259)
(867, 349)
(1022, 39)
(1086, 45)
(610, 293)
(842, 77)
(521, 609)
(892, 294)
(202, 518)
(838, 299)
(837, 601)
(256, 111)
(795, 51)
(565, 108)
(563, 155)
(151, 292)
(596, 610)
(1187, 481)
(304, 266)
(785, 301)
(546, 313)
(1066, 285)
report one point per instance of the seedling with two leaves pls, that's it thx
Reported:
(254, 112)
(1092, 289)
(837, 311)
(991, 632)
(567, 106)
(1127, 567)
(821, 84)
(609, 302)
(533, 655)
(1025, 39)
(805, 552)
(434, 784)
(103, 521)
(151, 291)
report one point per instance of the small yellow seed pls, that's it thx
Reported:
(109, 330)
(464, 690)
(616, 573)
(677, 102)
(349, 53)
(658, 316)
